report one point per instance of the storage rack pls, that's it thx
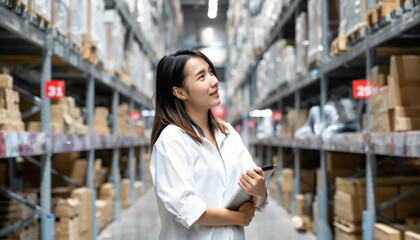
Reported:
(395, 144)
(44, 46)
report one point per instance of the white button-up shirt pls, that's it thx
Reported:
(188, 176)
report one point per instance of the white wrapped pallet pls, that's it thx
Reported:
(356, 16)
(59, 16)
(315, 31)
(75, 21)
(301, 41)
(43, 9)
(114, 41)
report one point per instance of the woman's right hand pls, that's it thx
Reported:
(248, 211)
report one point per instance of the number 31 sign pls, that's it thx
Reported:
(55, 89)
(361, 89)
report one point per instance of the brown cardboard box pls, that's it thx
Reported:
(301, 207)
(407, 124)
(66, 101)
(78, 173)
(6, 81)
(409, 112)
(385, 232)
(125, 193)
(343, 234)
(287, 180)
(409, 235)
(405, 77)
(107, 192)
(67, 208)
(378, 76)
(381, 98)
(382, 120)
(85, 197)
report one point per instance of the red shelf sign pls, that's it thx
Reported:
(55, 89)
(135, 115)
(361, 89)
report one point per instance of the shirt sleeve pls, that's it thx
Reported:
(173, 180)
(248, 163)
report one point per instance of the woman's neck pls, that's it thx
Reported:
(200, 118)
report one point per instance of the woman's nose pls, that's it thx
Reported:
(214, 81)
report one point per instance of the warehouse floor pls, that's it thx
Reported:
(142, 222)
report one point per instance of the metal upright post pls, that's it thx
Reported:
(297, 180)
(323, 228)
(47, 219)
(131, 169)
(268, 161)
(115, 156)
(280, 156)
(369, 215)
(142, 169)
(90, 173)
(245, 131)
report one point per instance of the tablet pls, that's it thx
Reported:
(240, 196)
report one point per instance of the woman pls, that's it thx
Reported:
(198, 162)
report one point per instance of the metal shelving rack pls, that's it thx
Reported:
(44, 143)
(394, 144)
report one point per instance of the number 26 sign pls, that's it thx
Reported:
(55, 89)
(361, 89)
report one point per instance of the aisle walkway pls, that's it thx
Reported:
(141, 222)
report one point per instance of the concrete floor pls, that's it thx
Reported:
(141, 221)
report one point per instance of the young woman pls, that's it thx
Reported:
(198, 162)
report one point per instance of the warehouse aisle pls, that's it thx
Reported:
(141, 222)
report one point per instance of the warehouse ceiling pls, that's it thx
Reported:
(205, 34)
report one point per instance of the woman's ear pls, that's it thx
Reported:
(179, 93)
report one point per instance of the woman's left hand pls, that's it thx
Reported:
(253, 182)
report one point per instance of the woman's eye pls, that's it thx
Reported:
(201, 77)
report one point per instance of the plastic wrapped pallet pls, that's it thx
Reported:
(43, 9)
(115, 41)
(314, 31)
(356, 16)
(59, 16)
(75, 22)
(301, 40)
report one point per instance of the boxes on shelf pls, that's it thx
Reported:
(138, 186)
(76, 19)
(100, 126)
(84, 195)
(409, 235)
(107, 192)
(405, 80)
(115, 33)
(104, 213)
(125, 193)
(289, 122)
(307, 183)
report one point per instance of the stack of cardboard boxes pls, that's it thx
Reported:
(397, 232)
(307, 185)
(84, 196)
(66, 118)
(105, 205)
(100, 119)
(13, 211)
(124, 120)
(350, 201)
(138, 186)
(67, 224)
(125, 193)
(395, 104)
(10, 116)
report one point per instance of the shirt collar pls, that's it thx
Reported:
(220, 137)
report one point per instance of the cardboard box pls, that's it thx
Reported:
(342, 234)
(6, 81)
(107, 192)
(378, 76)
(301, 207)
(67, 208)
(385, 232)
(382, 120)
(405, 78)
(125, 193)
(84, 195)
(287, 180)
(407, 124)
(381, 98)
(408, 235)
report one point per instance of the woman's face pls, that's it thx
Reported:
(201, 85)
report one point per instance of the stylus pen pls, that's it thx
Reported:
(266, 168)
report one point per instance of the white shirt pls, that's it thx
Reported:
(188, 176)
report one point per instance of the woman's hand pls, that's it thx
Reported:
(247, 211)
(253, 183)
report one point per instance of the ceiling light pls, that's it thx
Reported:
(212, 13)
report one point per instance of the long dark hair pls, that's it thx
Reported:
(170, 109)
